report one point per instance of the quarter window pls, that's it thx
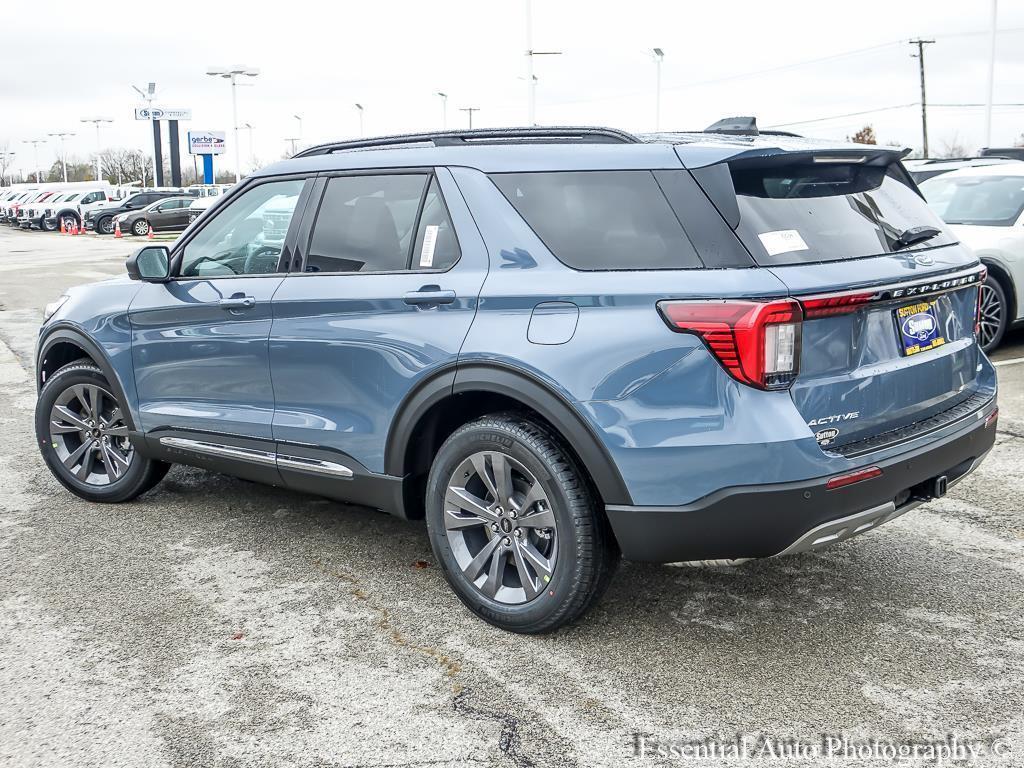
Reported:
(247, 236)
(435, 246)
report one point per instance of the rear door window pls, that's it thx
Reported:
(807, 212)
(601, 220)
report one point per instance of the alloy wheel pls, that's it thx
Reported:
(501, 528)
(107, 226)
(90, 436)
(991, 315)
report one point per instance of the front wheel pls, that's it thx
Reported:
(513, 523)
(105, 226)
(48, 225)
(994, 314)
(83, 436)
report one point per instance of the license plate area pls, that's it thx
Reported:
(917, 327)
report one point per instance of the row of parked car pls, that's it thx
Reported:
(104, 208)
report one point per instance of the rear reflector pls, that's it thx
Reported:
(757, 342)
(839, 481)
(992, 418)
(826, 306)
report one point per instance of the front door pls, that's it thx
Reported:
(200, 341)
(384, 296)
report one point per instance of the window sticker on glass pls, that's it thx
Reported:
(429, 241)
(782, 241)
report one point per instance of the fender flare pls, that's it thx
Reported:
(71, 335)
(517, 384)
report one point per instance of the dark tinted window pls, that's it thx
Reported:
(812, 212)
(601, 220)
(436, 246)
(366, 223)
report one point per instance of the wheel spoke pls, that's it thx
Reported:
(535, 494)
(537, 561)
(479, 462)
(544, 518)
(502, 478)
(476, 566)
(85, 469)
(494, 574)
(76, 454)
(453, 521)
(74, 422)
(108, 462)
(530, 586)
(464, 500)
(121, 463)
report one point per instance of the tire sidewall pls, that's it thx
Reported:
(140, 227)
(105, 226)
(122, 488)
(559, 591)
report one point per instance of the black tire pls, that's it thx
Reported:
(141, 474)
(105, 226)
(140, 227)
(995, 313)
(587, 554)
(70, 220)
(49, 226)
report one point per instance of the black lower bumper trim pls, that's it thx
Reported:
(763, 520)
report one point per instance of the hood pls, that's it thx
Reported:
(1007, 242)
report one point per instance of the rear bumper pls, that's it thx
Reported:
(782, 518)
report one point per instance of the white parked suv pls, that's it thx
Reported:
(985, 209)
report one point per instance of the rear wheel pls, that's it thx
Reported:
(513, 523)
(994, 314)
(83, 436)
(140, 227)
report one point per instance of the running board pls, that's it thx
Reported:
(269, 458)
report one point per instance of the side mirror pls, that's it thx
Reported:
(151, 264)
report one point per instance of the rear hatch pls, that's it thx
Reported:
(889, 296)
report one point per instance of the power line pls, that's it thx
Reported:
(966, 105)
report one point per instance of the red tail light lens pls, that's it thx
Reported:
(826, 306)
(757, 342)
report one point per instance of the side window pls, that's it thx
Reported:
(436, 246)
(92, 197)
(247, 237)
(366, 223)
(69, 198)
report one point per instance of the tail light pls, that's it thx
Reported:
(841, 481)
(757, 342)
(977, 309)
(827, 306)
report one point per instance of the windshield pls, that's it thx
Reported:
(994, 201)
(807, 212)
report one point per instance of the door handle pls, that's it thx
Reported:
(429, 294)
(238, 302)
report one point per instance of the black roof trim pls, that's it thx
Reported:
(568, 134)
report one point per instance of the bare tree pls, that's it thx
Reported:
(1020, 141)
(952, 146)
(6, 160)
(865, 135)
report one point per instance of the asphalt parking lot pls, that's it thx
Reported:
(215, 622)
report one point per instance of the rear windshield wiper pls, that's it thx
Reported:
(915, 235)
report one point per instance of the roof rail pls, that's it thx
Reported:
(573, 135)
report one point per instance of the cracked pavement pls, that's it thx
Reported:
(215, 622)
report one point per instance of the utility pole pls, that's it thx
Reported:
(470, 111)
(924, 101)
(531, 81)
(991, 76)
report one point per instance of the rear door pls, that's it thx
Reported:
(889, 295)
(382, 297)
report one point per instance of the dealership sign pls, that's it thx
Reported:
(161, 113)
(206, 142)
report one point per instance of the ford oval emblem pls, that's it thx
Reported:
(923, 260)
(919, 326)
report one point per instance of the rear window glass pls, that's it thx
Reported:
(995, 201)
(601, 220)
(816, 212)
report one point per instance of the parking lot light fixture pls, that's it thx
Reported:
(63, 157)
(232, 73)
(147, 96)
(97, 121)
(35, 156)
(659, 57)
(298, 118)
(444, 109)
(360, 108)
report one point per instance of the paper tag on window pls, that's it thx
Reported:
(429, 241)
(782, 241)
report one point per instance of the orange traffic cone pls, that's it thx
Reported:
(149, 234)
(63, 231)
(74, 228)
(117, 229)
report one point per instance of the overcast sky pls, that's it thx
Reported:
(784, 62)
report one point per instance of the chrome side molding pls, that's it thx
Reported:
(268, 458)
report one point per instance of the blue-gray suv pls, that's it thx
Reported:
(559, 346)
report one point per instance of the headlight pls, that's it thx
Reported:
(51, 309)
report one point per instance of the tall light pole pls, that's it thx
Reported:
(147, 96)
(97, 121)
(991, 76)
(35, 157)
(469, 111)
(444, 110)
(63, 156)
(531, 81)
(659, 57)
(924, 102)
(232, 73)
(8, 157)
(298, 119)
(359, 107)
